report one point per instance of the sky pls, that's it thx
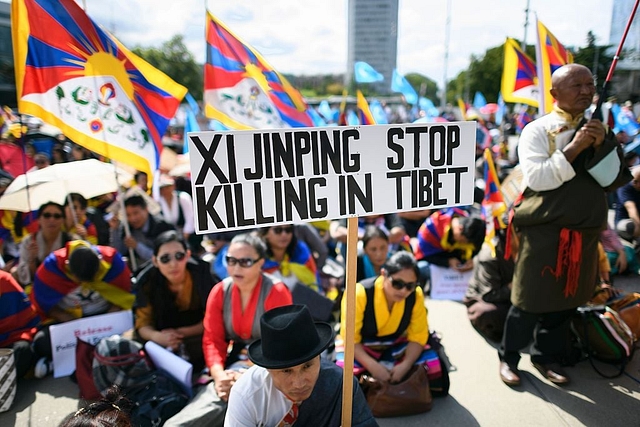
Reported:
(304, 37)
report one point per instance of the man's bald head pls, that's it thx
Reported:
(573, 88)
(561, 74)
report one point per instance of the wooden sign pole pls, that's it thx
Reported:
(350, 319)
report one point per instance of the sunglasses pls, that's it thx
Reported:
(166, 258)
(400, 284)
(48, 215)
(280, 230)
(242, 262)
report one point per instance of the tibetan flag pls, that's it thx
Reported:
(364, 113)
(519, 77)
(365, 73)
(463, 108)
(550, 55)
(493, 205)
(242, 91)
(75, 75)
(400, 84)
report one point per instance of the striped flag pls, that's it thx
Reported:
(75, 75)
(241, 90)
(364, 113)
(550, 55)
(519, 76)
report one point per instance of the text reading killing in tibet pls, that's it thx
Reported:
(247, 179)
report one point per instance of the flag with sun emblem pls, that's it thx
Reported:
(73, 74)
(242, 91)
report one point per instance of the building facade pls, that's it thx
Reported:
(373, 38)
(626, 80)
(7, 77)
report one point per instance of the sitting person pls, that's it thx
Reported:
(288, 258)
(231, 322)
(449, 238)
(34, 248)
(77, 281)
(622, 258)
(171, 298)
(391, 319)
(488, 296)
(76, 221)
(144, 229)
(18, 323)
(375, 251)
(290, 384)
(627, 211)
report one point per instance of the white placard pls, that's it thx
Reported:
(90, 329)
(248, 179)
(447, 283)
(179, 369)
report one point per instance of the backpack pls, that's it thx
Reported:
(120, 361)
(157, 401)
(604, 336)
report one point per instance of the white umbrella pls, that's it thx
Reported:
(89, 178)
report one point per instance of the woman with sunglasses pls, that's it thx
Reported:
(391, 320)
(288, 258)
(35, 247)
(172, 296)
(233, 313)
(375, 251)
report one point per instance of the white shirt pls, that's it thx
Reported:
(172, 214)
(255, 401)
(541, 169)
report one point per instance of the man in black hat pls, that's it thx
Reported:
(290, 383)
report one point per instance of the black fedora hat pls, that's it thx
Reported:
(289, 337)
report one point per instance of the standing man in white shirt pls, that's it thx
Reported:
(567, 164)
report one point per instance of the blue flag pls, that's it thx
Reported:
(365, 73)
(502, 109)
(325, 110)
(192, 103)
(377, 110)
(352, 118)
(428, 107)
(317, 118)
(400, 84)
(190, 125)
(479, 101)
(625, 120)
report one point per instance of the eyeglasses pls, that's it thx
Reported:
(242, 262)
(280, 230)
(400, 284)
(49, 215)
(166, 258)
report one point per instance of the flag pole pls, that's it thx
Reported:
(598, 111)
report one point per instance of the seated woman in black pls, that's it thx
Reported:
(171, 298)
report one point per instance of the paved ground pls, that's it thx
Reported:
(477, 396)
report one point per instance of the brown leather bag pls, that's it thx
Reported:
(411, 396)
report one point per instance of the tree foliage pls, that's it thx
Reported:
(175, 60)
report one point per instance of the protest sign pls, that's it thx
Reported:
(447, 283)
(90, 329)
(248, 179)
